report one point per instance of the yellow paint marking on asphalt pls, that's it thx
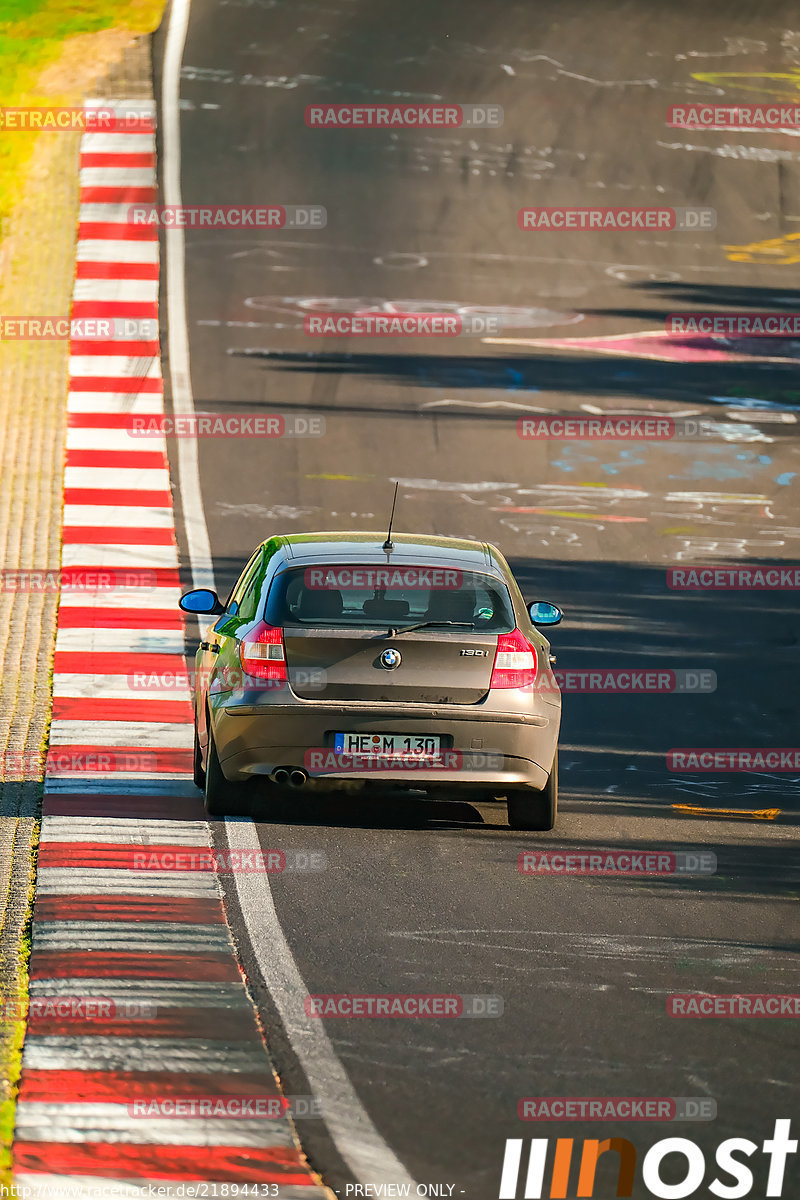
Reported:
(350, 478)
(788, 82)
(759, 814)
(560, 512)
(775, 252)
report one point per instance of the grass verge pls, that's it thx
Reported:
(33, 35)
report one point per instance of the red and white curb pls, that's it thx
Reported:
(118, 780)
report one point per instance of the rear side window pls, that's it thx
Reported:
(369, 597)
(242, 584)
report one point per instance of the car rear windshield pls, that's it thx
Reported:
(374, 597)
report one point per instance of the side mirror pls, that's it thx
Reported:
(202, 600)
(542, 613)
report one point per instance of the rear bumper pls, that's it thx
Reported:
(500, 749)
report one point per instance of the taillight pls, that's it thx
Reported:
(514, 662)
(262, 654)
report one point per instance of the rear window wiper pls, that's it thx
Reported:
(393, 632)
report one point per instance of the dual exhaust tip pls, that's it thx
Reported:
(293, 776)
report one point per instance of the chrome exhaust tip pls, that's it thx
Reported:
(280, 775)
(297, 778)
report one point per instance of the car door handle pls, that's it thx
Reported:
(212, 646)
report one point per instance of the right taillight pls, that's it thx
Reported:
(514, 662)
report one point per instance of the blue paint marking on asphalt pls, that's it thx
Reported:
(707, 470)
(750, 402)
(785, 478)
(517, 385)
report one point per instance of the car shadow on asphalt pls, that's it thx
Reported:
(394, 810)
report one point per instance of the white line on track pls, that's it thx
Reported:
(95, 1052)
(127, 478)
(118, 143)
(118, 556)
(115, 366)
(116, 177)
(104, 249)
(114, 1123)
(154, 599)
(74, 881)
(357, 1140)
(145, 735)
(144, 290)
(136, 641)
(133, 830)
(136, 685)
(123, 515)
(115, 402)
(113, 439)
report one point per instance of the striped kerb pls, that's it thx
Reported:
(151, 943)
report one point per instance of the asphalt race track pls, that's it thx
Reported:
(423, 896)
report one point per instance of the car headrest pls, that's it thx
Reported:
(321, 605)
(451, 606)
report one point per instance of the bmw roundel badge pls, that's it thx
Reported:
(391, 658)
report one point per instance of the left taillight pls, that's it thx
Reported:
(262, 653)
(514, 662)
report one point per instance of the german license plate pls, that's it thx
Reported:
(415, 745)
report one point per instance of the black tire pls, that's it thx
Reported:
(535, 810)
(221, 797)
(198, 771)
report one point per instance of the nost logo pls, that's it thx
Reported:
(516, 1185)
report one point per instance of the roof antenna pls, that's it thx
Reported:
(389, 544)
